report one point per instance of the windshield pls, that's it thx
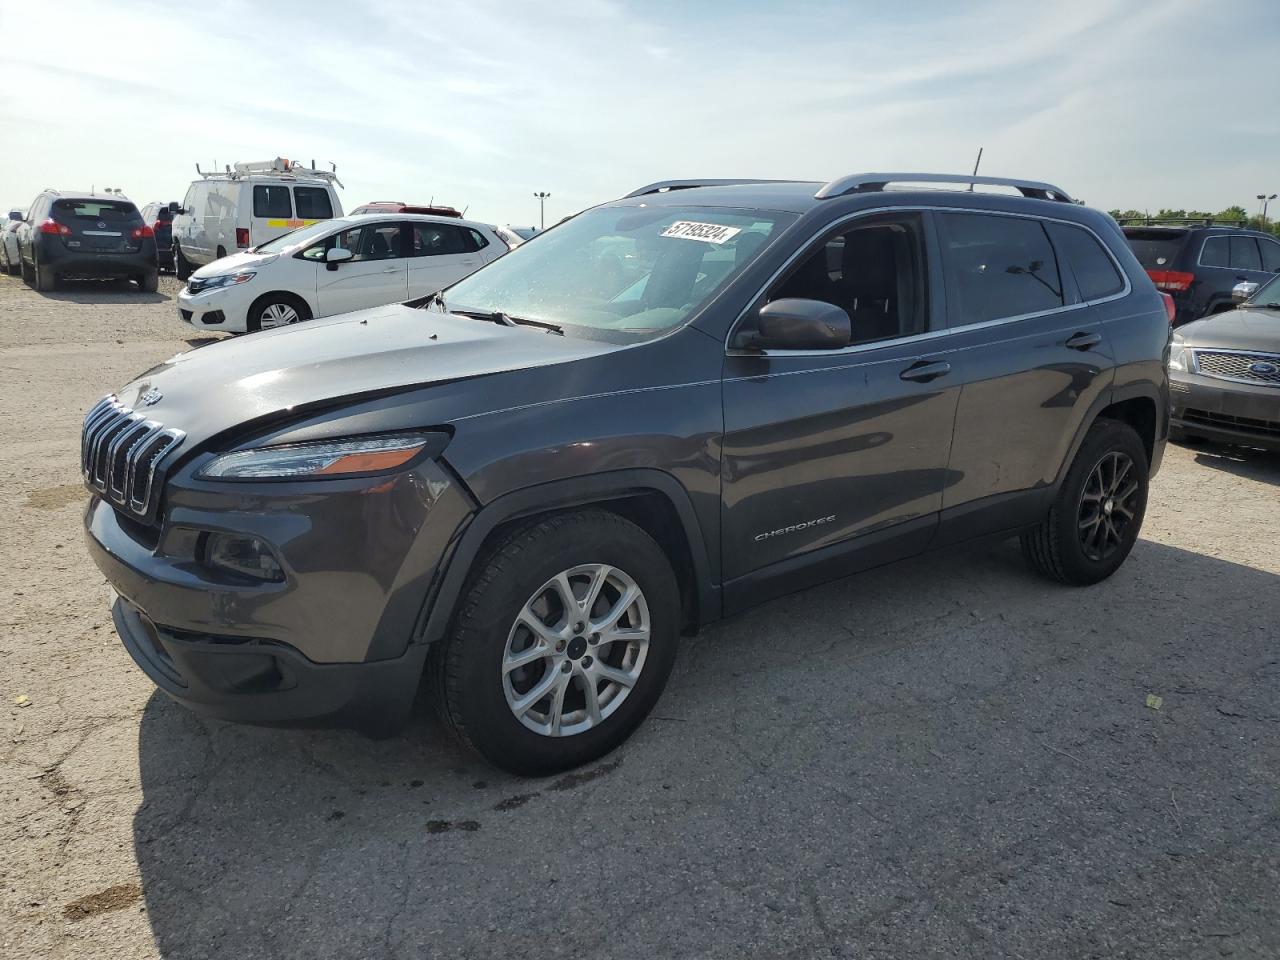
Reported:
(621, 274)
(295, 238)
(1268, 296)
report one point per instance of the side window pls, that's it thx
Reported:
(312, 203)
(346, 240)
(437, 240)
(1270, 255)
(272, 201)
(1244, 254)
(1215, 253)
(478, 239)
(874, 272)
(999, 267)
(1095, 272)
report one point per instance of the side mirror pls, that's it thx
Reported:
(796, 324)
(1243, 290)
(175, 207)
(336, 255)
(15, 215)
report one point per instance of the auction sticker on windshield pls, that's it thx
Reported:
(707, 232)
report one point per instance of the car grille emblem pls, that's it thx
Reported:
(102, 224)
(1264, 369)
(151, 397)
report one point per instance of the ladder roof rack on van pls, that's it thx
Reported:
(874, 182)
(279, 167)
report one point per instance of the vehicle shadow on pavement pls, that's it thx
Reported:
(949, 750)
(101, 291)
(1247, 462)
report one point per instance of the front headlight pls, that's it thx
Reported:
(324, 460)
(1178, 354)
(229, 280)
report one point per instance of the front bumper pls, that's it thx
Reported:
(1225, 411)
(222, 308)
(333, 643)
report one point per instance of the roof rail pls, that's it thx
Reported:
(1237, 222)
(872, 182)
(664, 186)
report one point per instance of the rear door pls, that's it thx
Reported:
(1033, 354)
(439, 254)
(98, 227)
(311, 204)
(271, 209)
(375, 275)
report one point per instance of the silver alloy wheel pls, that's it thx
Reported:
(576, 649)
(278, 315)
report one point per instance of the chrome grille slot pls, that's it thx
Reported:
(1239, 365)
(120, 454)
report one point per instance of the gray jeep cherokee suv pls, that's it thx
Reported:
(660, 412)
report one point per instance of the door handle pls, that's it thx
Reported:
(924, 371)
(391, 270)
(1084, 341)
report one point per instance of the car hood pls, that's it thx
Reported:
(1250, 328)
(234, 263)
(292, 370)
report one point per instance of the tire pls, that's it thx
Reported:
(149, 282)
(45, 279)
(278, 309)
(479, 702)
(181, 265)
(1080, 543)
(221, 252)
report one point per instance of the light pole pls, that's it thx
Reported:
(542, 207)
(1265, 201)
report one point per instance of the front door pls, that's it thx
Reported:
(829, 451)
(376, 273)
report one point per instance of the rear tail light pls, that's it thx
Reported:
(1174, 281)
(1169, 306)
(141, 232)
(54, 227)
(242, 236)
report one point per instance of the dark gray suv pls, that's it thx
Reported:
(660, 412)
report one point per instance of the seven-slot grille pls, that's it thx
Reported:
(120, 452)
(1243, 366)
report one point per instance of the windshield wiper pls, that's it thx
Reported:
(503, 319)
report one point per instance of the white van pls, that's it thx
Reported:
(249, 204)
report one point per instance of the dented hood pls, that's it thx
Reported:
(389, 349)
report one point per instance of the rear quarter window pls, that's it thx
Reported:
(1156, 249)
(1270, 255)
(312, 203)
(1095, 272)
(270, 200)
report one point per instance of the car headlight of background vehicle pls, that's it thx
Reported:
(228, 280)
(325, 459)
(1178, 356)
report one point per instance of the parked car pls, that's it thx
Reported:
(535, 482)
(1198, 266)
(510, 236)
(160, 217)
(249, 204)
(9, 261)
(335, 266)
(71, 233)
(1224, 373)
(399, 206)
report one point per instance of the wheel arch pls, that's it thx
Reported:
(307, 312)
(652, 499)
(1139, 404)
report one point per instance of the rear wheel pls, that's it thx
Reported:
(277, 310)
(45, 279)
(562, 643)
(181, 266)
(28, 274)
(149, 282)
(1095, 519)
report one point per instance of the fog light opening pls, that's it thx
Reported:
(242, 556)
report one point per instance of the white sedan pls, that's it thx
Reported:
(336, 266)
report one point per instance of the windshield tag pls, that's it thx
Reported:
(706, 232)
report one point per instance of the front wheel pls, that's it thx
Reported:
(276, 310)
(1095, 519)
(562, 643)
(181, 265)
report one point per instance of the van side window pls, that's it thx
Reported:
(1244, 254)
(875, 273)
(1095, 271)
(272, 201)
(999, 267)
(1215, 253)
(312, 203)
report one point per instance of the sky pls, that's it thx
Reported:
(479, 104)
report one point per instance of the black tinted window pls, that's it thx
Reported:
(1244, 254)
(1000, 267)
(1216, 253)
(272, 201)
(1155, 249)
(437, 240)
(875, 273)
(478, 240)
(107, 210)
(313, 203)
(1095, 272)
(1270, 255)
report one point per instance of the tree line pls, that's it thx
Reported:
(1233, 215)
